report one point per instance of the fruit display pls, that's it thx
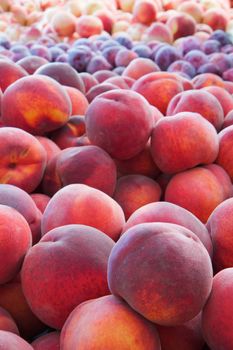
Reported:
(116, 174)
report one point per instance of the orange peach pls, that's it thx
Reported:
(224, 158)
(193, 9)
(198, 101)
(9, 73)
(64, 23)
(223, 96)
(22, 158)
(69, 265)
(112, 315)
(128, 113)
(37, 104)
(216, 18)
(78, 100)
(158, 31)
(134, 191)
(207, 79)
(170, 213)
(144, 11)
(16, 238)
(196, 144)
(68, 135)
(140, 67)
(81, 204)
(49, 341)
(88, 25)
(197, 190)
(157, 268)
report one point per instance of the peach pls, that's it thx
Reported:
(224, 158)
(31, 63)
(67, 135)
(51, 182)
(112, 315)
(217, 313)
(74, 260)
(50, 147)
(141, 164)
(223, 96)
(13, 300)
(196, 144)
(63, 73)
(81, 204)
(16, 240)
(228, 119)
(107, 18)
(220, 228)
(89, 165)
(128, 113)
(23, 159)
(124, 57)
(88, 25)
(166, 85)
(50, 341)
(64, 23)
(99, 89)
(103, 75)
(207, 79)
(181, 24)
(78, 100)
(41, 200)
(122, 82)
(144, 11)
(170, 213)
(172, 265)
(134, 191)
(140, 67)
(197, 190)
(198, 101)
(37, 104)
(216, 18)
(193, 9)
(223, 178)
(158, 31)
(88, 80)
(126, 5)
(6, 322)
(9, 73)
(9, 340)
(20, 200)
(187, 336)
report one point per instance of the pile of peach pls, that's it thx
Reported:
(116, 195)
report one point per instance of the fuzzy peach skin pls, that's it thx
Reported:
(78, 100)
(63, 73)
(187, 336)
(223, 96)
(197, 190)
(158, 31)
(173, 276)
(139, 67)
(6, 322)
(68, 266)
(119, 122)
(223, 178)
(50, 341)
(41, 200)
(183, 141)
(81, 204)
(89, 165)
(13, 300)
(220, 228)
(144, 11)
(108, 323)
(9, 73)
(31, 63)
(166, 85)
(224, 158)
(16, 238)
(20, 200)
(11, 341)
(141, 164)
(68, 135)
(134, 191)
(37, 104)
(22, 159)
(49, 145)
(181, 24)
(170, 213)
(198, 101)
(217, 313)
(207, 79)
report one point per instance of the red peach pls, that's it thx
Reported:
(144, 11)
(223, 96)
(224, 158)
(87, 26)
(140, 67)
(216, 18)
(50, 341)
(31, 63)
(181, 24)
(41, 200)
(78, 101)
(9, 73)
(9, 340)
(6, 322)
